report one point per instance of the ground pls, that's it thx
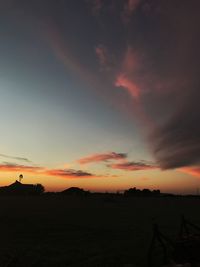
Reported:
(57, 231)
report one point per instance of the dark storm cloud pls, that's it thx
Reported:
(176, 142)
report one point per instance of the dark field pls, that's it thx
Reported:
(86, 231)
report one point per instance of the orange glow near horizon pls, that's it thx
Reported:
(168, 181)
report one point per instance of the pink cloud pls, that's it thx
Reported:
(129, 8)
(96, 6)
(134, 79)
(194, 171)
(130, 86)
(102, 55)
(132, 166)
(102, 157)
(128, 76)
(68, 173)
(130, 61)
(131, 5)
(63, 52)
(11, 167)
(64, 173)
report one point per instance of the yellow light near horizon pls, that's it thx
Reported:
(166, 181)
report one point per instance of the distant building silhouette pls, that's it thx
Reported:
(17, 188)
(75, 191)
(145, 192)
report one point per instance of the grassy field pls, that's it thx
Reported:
(86, 231)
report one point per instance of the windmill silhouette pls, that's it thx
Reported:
(20, 178)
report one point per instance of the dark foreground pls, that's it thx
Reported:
(86, 231)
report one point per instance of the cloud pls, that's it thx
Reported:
(96, 6)
(65, 53)
(102, 55)
(160, 69)
(129, 76)
(175, 140)
(130, 60)
(130, 7)
(71, 173)
(130, 86)
(133, 166)
(122, 163)
(177, 143)
(101, 51)
(65, 173)
(193, 170)
(103, 157)
(167, 83)
(135, 78)
(17, 158)
(12, 167)
(68, 173)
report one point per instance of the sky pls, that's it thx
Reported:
(100, 94)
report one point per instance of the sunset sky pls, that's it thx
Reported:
(100, 94)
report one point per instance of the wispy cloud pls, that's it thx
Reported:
(133, 166)
(103, 58)
(172, 66)
(104, 157)
(70, 173)
(128, 76)
(177, 143)
(17, 158)
(64, 173)
(176, 139)
(193, 170)
(134, 80)
(63, 51)
(130, 7)
(96, 6)
(130, 86)
(12, 167)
